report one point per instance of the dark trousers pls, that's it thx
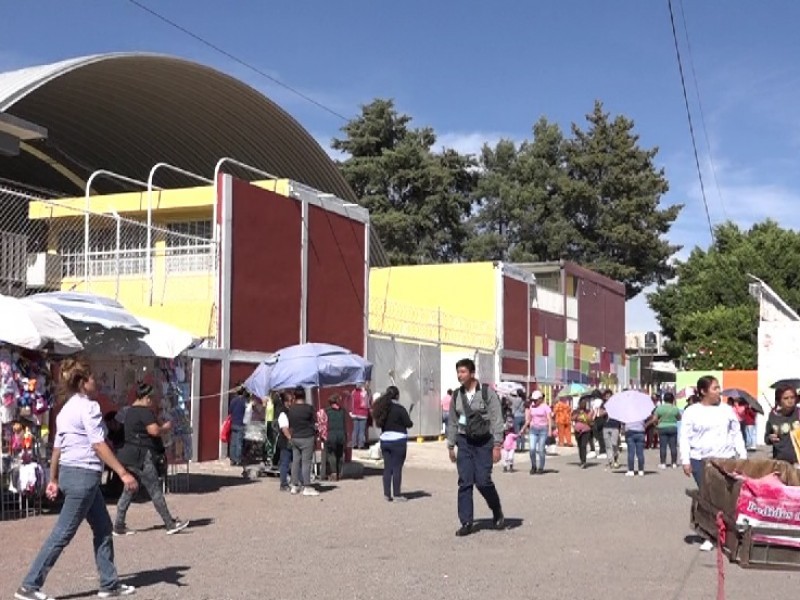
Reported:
(597, 432)
(635, 442)
(668, 438)
(285, 465)
(584, 439)
(148, 478)
(394, 457)
(334, 451)
(651, 437)
(474, 462)
(697, 471)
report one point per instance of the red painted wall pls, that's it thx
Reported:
(515, 366)
(515, 315)
(208, 436)
(239, 372)
(601, 317)
(336, 274)
(265, 274)
(549, 325)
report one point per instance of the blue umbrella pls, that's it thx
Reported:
(573, 389)
(629, 406)
(308, 365)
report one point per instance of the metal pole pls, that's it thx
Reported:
(119, 240)
(149, 251)
(110, 175)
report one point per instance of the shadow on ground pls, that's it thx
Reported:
(172, 576)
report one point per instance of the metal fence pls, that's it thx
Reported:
(49, 244)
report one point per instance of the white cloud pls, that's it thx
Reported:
(469, 142)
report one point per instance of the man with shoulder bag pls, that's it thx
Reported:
(475, 429)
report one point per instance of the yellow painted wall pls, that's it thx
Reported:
(184, 201)
(427, 302)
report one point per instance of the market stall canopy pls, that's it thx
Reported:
(101, 324)
(35, 326)
(309, 365)
(164, 340)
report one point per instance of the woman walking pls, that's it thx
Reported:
(539, 422)
(141, 453)
(76, 468)
(393, 419)
(582, 422)
(709, 429)
(336, 437)
(667, 416)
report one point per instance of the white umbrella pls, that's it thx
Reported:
(164, 340)
(91, 309)
(34, 326)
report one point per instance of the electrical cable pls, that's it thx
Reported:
(691, 124)
(236, 59)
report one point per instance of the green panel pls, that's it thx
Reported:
(685, 379)
(561, 355)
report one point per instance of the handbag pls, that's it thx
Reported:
(478, 428)
(225, 432)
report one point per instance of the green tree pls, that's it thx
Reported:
(707, 312)
(593, 198)
(419, 200)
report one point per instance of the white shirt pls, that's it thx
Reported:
(283, 421)
(710, 432)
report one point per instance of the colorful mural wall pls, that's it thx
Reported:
(570, 362)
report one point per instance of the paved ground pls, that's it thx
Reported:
(575, 534)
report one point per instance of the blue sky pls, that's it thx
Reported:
(477, 74)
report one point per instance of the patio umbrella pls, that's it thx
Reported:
(508, 388)
(738, 394)
(309, 365)
(33, 326)
(792, 383)
(629, 406)
(101, 324)
(573, 389)
(164, 340)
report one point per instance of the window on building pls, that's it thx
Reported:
(109, 255)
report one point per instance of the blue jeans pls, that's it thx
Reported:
(519, 423)
(285, 465)
(474, 463)
(394, 457)
(82, 500)
(538, 438)
(749, 436)
(697, 471)
(359, 432)
(237, 441)
(635, 441)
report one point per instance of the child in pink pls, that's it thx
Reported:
(507, 452)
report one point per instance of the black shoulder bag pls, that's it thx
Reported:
(478, 428)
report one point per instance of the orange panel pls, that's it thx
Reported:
(743, 380)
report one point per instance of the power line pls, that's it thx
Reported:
(691, 124)
(702, 115)
(236, 59)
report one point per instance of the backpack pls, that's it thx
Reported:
(478, 427)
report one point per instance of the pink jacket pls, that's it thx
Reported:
(510, 443)
(360, 404)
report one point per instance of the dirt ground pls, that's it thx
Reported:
(573, 533)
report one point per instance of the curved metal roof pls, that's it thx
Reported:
(126, 112)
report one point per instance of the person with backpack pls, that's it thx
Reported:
(475, 429)
(392, 417)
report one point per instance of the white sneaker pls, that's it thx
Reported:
(177, 526)
(310, 492)
(641, 473)
(629, 474)
(707, 546)
(674, 466)
(295, 490)
(591, 455)
(602, 456)
(122, 590)
(662, 467)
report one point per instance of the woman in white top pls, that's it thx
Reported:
(709, 429)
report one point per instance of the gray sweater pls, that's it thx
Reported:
(491, 410)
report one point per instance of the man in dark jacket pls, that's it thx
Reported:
(476, 455)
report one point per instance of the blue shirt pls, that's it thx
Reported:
(236, 410)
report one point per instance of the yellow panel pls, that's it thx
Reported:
(164, 202)
(454, 303)
(537, 346)
(570, 286)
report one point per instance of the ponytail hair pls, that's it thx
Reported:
(704, 384)
(74, 372)
(380, 410)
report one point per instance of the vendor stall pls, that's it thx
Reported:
(26, 391)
